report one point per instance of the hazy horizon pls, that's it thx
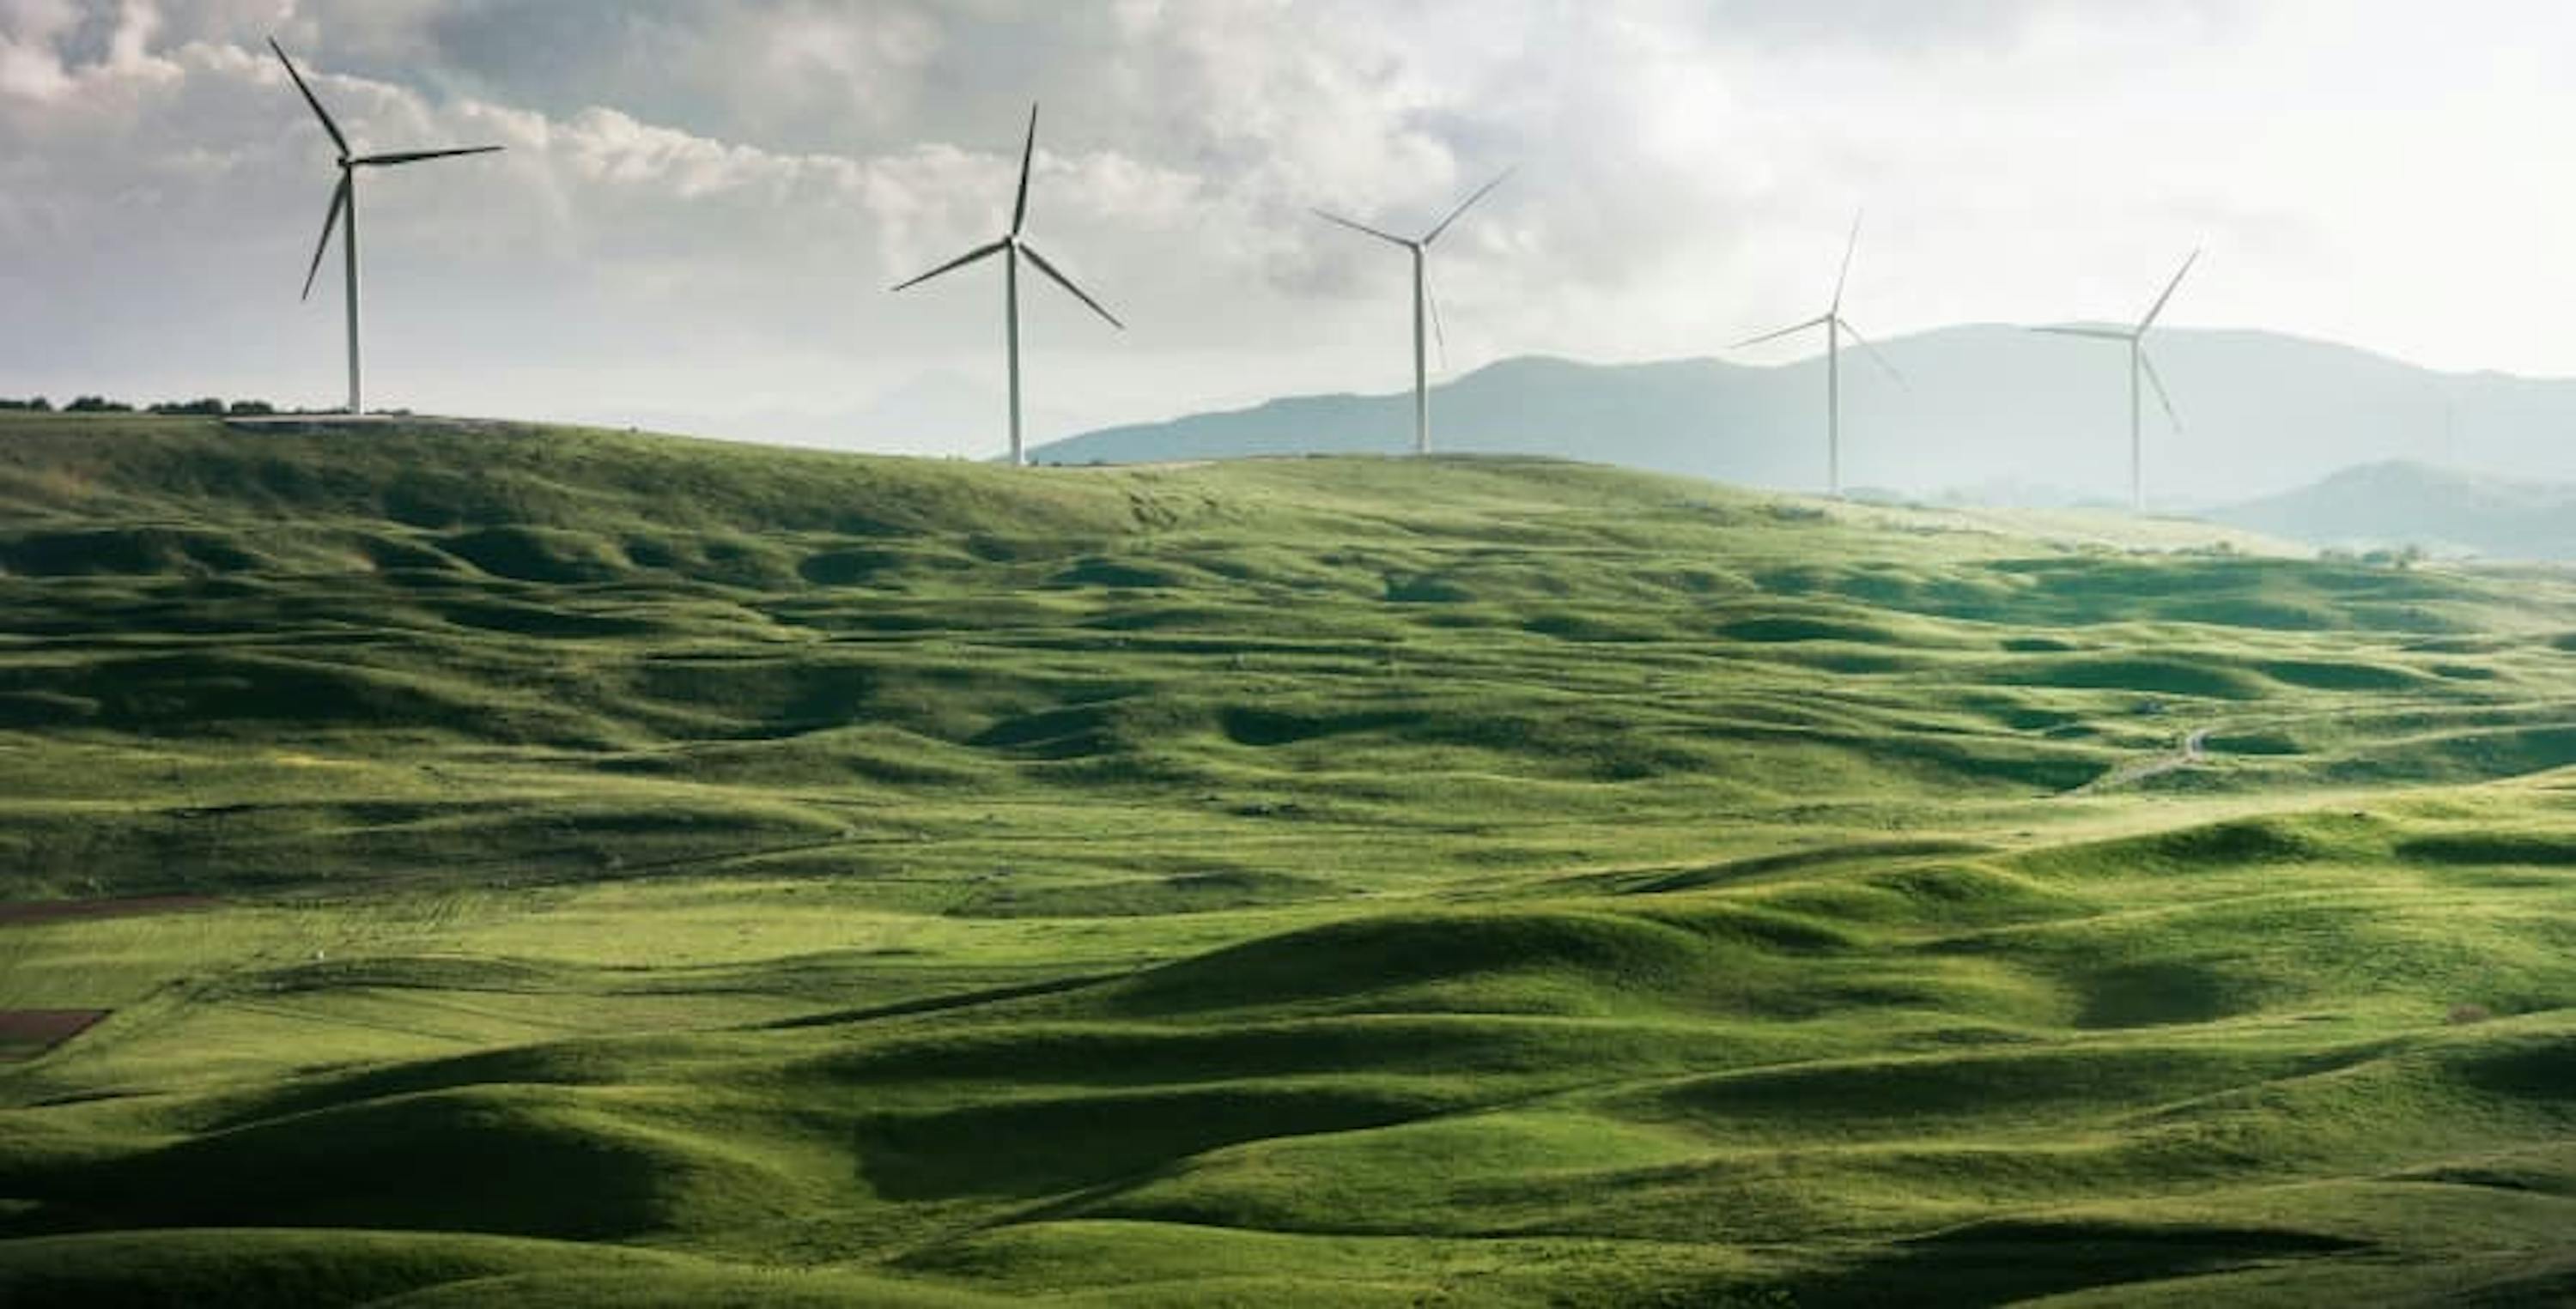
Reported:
(701, 206)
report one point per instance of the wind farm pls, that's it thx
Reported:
(1225, 854)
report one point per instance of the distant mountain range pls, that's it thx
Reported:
(2398, 503)
(1988, 413)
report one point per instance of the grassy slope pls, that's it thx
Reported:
(652, 864)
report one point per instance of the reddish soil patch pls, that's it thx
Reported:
(26, 1033)
(15, 912)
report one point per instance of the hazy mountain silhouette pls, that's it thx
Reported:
(2398, 503)
(1988, 406)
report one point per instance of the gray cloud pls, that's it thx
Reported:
(702, 203)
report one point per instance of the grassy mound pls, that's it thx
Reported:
(1397, 962)
(273, 1269)
(489, 1159)
(779, 877)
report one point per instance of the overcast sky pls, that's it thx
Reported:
(702, 202)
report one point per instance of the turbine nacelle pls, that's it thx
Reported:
(1422, 243)
(1833, 315)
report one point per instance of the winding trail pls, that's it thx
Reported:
(2194, 751)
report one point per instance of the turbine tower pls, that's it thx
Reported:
(1011, 247)
(2140, 366)
(1836, 327)
(1422, 303)
(344, 204)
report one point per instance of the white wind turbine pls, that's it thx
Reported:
(1011, 248)
(344, 205)
(2140, 366)
(1836, 327)
(1422, 303)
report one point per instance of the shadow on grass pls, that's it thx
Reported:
(2007, 1261)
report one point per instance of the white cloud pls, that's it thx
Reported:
(30, 68)
(702, 204)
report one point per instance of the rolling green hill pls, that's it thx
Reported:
(554, 867)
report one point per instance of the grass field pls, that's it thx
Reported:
(553, 867)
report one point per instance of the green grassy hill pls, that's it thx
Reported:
(591, 868)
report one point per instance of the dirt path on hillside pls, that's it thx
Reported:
(2194, 751)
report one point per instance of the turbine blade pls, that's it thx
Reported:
(1880, 359)
(330, 223)
(1363, 227)
(2097, 333)
(319, 112)
(1845, 276)
(2157, 384)
(415, 156)
(1817, 321)
(1067, 283)
(2150, 319)
(1028, 152)
(1463, 205)
(979, 252)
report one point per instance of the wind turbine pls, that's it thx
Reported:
(344, 201)
(2140, 365)
(1835, 326)
(1421, 302)
(1011, 247)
